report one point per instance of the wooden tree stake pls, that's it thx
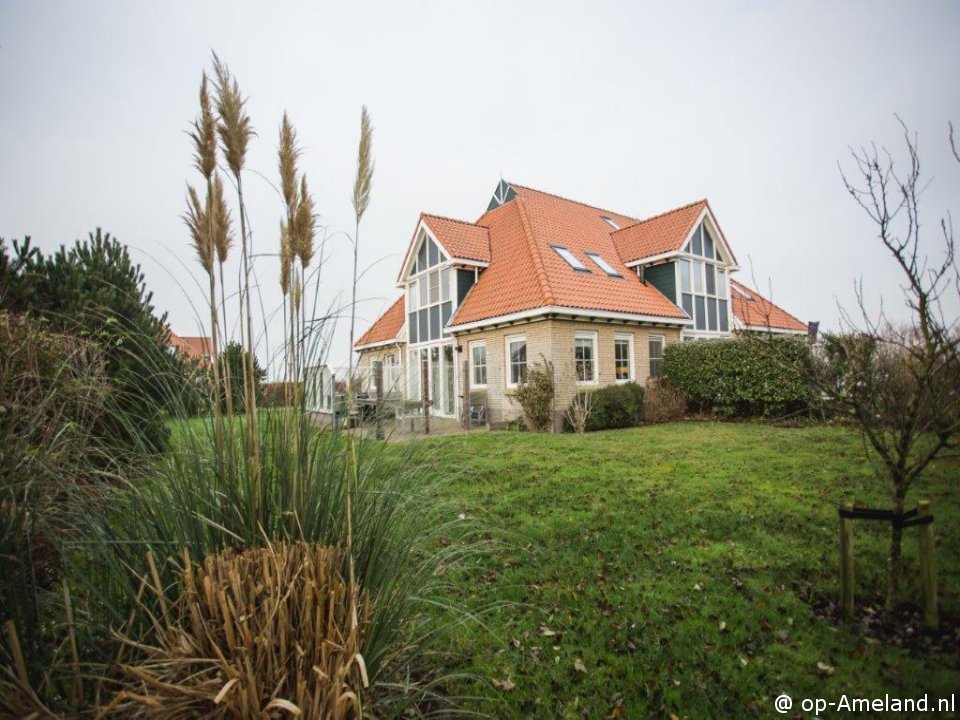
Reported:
(928, 569)
(846, 564)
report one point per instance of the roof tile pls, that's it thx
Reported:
(386, 327)
(760, 312)
(659, 234)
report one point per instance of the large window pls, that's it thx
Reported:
(703, 284)
(478, 364)
(516, 359)
(623, 357)
(429, 302)
(656, 355)
(585, 356)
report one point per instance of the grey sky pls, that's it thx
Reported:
(637, 108)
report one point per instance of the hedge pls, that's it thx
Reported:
(742, 377)
(615, 406)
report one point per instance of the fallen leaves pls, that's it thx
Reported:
(506, 685)
(579, 666)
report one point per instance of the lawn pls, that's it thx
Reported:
(674, 570)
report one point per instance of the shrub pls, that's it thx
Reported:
(662, 403)
(95, 291)
(535, 396)
(280, 394)
(53, 396)
(742, 377)
(612, 407)
(578, 413)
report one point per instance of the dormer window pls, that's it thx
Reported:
(603, 265)
(572, 260)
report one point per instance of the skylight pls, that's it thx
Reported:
(604, 265)
(611, 222)
(742, 293)
(571, 259)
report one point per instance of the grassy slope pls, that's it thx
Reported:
(633, 546)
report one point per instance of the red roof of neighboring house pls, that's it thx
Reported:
(756, 312)
(659, 234)
(525, 271)
(386, 327)
(192, 346)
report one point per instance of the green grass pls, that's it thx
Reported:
(634, 546)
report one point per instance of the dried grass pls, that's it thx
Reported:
(305, 221)
(235, 127)
(268, 632)
(204, 135)
(364, 178)
(198, 224)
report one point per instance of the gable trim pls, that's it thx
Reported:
(570, 312)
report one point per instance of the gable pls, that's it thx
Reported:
(438, 239)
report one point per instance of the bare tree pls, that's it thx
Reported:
(899, 382)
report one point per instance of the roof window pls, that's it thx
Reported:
(571, 259)
(603, 265)
(611, 222)
(742, 293)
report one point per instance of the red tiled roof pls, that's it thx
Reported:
(758, 312)
(192, 346)
(525, 272)
(461, 239)
(386, 327)
(659, 234)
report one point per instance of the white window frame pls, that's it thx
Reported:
(590, 335)
(571, 259)
(507, 357)
(486, 364)
(650, 359)
(630, 357)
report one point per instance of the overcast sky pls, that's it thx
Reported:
(634, 107)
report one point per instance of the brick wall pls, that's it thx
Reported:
(554, 339)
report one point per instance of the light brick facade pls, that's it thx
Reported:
(553, 340)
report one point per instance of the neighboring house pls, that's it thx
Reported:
(194, 347)
(597, 293)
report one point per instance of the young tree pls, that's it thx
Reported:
(899, 383)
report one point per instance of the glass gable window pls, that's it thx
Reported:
(704, 286)
(572, 260)
(517, 359)
(478, 364)
(584, 357)
(429, 293)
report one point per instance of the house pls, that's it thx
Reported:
(194, 347)
(598, 293)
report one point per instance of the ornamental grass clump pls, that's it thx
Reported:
(266, 632)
